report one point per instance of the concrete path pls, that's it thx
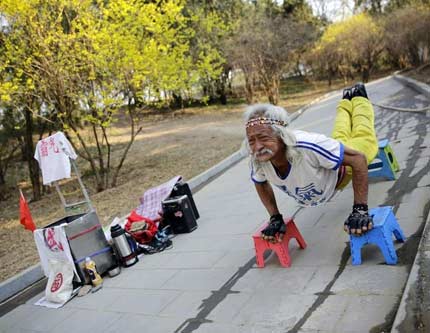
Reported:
(208, 282)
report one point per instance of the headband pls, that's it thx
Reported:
(265, 121)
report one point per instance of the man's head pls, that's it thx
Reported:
(266, 132)
(263, 141)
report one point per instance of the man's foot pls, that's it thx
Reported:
(347, 93)
(359, 90)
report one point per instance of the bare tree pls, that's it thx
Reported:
(263, 48)
(407, 36)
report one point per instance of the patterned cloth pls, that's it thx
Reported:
(150, 206)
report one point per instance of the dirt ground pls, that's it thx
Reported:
(185, 142)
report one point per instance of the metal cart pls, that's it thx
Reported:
(84, 233)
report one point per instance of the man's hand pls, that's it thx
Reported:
(275, 230)
(359, 221)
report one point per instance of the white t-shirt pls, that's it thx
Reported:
(312, 180)
(53, 154)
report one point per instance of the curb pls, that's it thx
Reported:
(421, 87)
(21, 281)
(199, 181)
(404, 320)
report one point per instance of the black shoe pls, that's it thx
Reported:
(347, 94)
(359, 90)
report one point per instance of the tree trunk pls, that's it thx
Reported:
(2, 184)
(249, 90)
(273, 94)
(33, 166)
(133, 134)
(329, 78)
(86, 155)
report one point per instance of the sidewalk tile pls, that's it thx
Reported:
(274, 307)
(327, 314)
(367, 312)
(99, 300)
(194, 260)
(37, 318)
(375, 280)
(230, 306)
(216, 327)
(139, 279)
(292, 279)
(235, 258)
(186, 305)
(87, 321)
(142, 302)
(199, 280)
(134, 323)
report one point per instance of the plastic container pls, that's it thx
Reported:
(90, 267)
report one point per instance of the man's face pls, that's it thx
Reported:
(263, 142)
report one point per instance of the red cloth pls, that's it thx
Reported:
(141, 236)
(24, 214)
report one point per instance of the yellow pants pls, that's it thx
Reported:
(354, 126)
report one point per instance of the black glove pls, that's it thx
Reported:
(359, 220)
(275, 226)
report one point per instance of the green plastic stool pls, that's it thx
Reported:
(385, 163)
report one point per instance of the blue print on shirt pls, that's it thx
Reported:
(308, 193)
(305, 195)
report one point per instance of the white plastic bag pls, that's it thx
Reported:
(52, 244)
(60, 282)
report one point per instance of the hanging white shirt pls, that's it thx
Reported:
(53, 155)
(312, 180)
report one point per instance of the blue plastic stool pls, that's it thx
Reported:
(384, 225)
(385, 163)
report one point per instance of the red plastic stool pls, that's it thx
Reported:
(281, 249)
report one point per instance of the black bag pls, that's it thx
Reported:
(178, 214)
(182, 188)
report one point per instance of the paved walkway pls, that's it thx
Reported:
(209, 283)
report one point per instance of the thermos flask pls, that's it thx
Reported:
(127, 256)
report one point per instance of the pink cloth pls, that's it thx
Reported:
(151, 201)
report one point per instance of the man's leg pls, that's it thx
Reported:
(342, 130)
(362, 136)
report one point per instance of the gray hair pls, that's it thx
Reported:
(286, 135)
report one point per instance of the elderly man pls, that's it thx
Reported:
(311, 167)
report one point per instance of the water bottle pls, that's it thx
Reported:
(127, 256)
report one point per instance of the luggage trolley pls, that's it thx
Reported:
(84, 233)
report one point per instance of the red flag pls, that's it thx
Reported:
(24, 214)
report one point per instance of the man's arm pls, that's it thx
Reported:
(357, 161)
(275, 230)
(267, 197)
(358, 221)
